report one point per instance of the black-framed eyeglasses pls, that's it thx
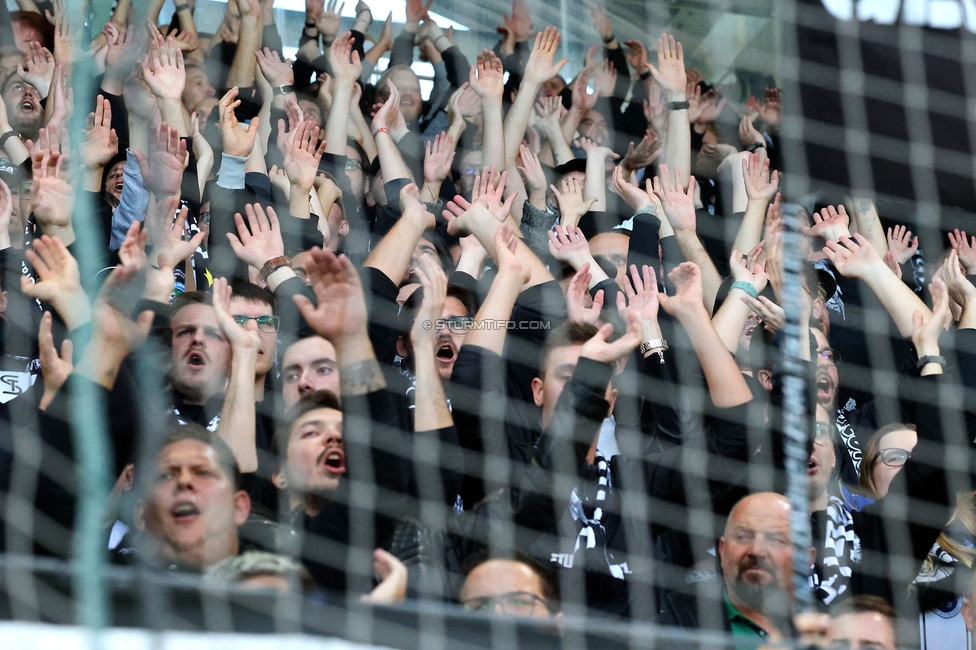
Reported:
(205, 218)
(515, 603)
(824, 433)
(832, 356)
(458, 324)
(894, 457)
(352, 165)
(265, 323)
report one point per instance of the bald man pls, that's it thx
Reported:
(756, 552)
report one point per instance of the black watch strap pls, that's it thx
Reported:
(284, 90)
(6, 136)
(679, 106)
(924, 361)
(755, 145)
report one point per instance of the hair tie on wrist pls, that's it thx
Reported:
(745, 286)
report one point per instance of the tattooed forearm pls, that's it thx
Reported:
(361, 378)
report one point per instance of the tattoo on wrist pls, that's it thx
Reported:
(361, 378)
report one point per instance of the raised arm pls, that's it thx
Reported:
(237, 417)
(855, 257)
(671, 77)
(487, 79)
(505, 289)
(393, 253)
(340, 316)
(749, 281)
(679, 208)
(346, 68)
(241, 72)
(539, 68)
(869, 223)
(595, 184)
(726, 386)
(760, 188)
(431, 411)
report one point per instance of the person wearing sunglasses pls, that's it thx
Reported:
(885, 454)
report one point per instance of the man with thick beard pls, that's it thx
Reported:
(756, 552)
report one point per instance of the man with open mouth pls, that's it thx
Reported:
(194, 503)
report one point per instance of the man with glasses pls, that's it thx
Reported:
(253, 308)
(516, 586)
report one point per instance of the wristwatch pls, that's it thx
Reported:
(924, 361)
(284, 90)
(272, 265)
(679, 106)
(755, 145)
(647, 346)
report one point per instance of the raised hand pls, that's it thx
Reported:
(240, 337)
(772, 107)
(346, 65)
(600, 349)
(831, 224)
(303, 155)
(966, 247)
(55, 368)
(163, 71)
(531, 168)
(679, 206)
(433, 281)
(583, 100)
(853, 257)
(259, 240)
(928, 327)
(540, 66)
(687, 300)
(637, 56)
(100, 143)
(760, 184)
(960, 288)
(594, 150)
(52, 198)
(601, 22)
(647, 151)
(341, 311)
(572, 205)
(577, 295)
(60, 281)
(902, 245)
(670, 70)
(277, 72)
(747, 270)
(38, 68)
(237, 141)
(328, 21)
(489, 188)
(417, 10)
(570, 246)
(167, 231)
(438, 158)
(387, 115)
(519, 24)
(773, 316)
(748, 134)
(162, 170)
(640, 297)
(184, 41)
(632, 195)
(487, 76)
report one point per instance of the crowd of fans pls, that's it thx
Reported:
(516, 345)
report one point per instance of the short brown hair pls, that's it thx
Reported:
(864, 604)
(569, 333)
(225, 457)
(319, 399)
